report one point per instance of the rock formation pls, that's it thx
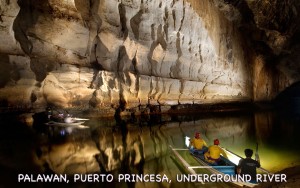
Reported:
(128, 54)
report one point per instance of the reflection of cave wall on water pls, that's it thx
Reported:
(110, 148)
(106, 147)
(289, 101)
(276, 129)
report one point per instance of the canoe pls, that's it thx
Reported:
(74, 119)
(77, 123)
(67, 122)
(228, 167)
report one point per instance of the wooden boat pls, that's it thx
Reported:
(227, 167)
(76, 123)
(67, 121)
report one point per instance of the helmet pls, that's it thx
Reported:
(197, 135)
(216, 142)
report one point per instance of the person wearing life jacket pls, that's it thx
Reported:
(213, 155)
(198, 144)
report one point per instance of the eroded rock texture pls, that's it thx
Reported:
(110, 54)
(271, 28)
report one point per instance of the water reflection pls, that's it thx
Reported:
(277, 137)
(136, 147)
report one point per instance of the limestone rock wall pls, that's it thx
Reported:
(101, 54)
(110, 54)
(272, 30)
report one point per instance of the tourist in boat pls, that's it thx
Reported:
(198, 145)
(58, 116)
(49, 113)
(248, 165)
(69, 119)
(213, 155)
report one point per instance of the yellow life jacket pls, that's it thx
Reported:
(198, 143)
(215, 151)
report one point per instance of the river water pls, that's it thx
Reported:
(139, 146)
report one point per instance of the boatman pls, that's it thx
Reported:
(213, 155)
(248, 165)
(197, 144)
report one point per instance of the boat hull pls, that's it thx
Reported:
(227, 166)
(65, 124)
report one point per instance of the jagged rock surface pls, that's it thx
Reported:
(111, 54)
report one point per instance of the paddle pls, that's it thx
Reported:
(262, 169)
(256, 152)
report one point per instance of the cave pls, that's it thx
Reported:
(144, 75)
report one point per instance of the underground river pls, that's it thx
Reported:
(141, 145)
